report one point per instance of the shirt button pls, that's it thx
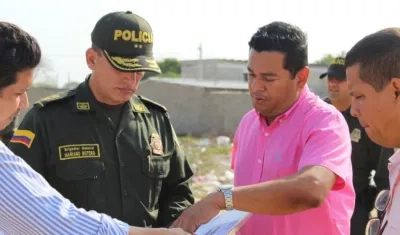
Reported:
(266, 134)
(121, 164)
(259, 161)
(125, 193)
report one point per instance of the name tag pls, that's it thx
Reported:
(77, 151)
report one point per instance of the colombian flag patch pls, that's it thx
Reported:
(24, 137)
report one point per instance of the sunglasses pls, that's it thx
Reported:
(374, 225)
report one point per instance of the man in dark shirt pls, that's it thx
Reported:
(365, 153)
(102, 146)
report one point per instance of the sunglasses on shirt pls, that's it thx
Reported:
(374, 225)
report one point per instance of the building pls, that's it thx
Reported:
(213, 69)
(235, 71)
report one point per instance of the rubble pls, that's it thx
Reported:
(210, 161)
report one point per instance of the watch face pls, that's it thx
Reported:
(225, 187)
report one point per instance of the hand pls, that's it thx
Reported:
(200, 213)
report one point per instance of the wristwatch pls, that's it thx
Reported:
(227, 191)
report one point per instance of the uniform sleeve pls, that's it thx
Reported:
(27, 141)
(176, 194)
(328, 144)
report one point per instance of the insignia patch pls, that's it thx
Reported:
(82, 105)
(139, 107)
(355, 135)
(24, 137)
(77, 151)
(156, 144)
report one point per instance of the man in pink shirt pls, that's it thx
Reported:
(291, 153)
(373, 77)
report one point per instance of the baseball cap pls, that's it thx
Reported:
(336, 69)
(126, 40)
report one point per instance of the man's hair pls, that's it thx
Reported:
(19, 51)
(285, 38)
(378, 56)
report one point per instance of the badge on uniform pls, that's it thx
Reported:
(156, 144)
(355, 135)
(83, 105)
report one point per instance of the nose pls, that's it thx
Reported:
(256, 84)
(354, 111)
(128, 76)
(132, 77)
(24, 102)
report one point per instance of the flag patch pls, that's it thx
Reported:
(24, 137)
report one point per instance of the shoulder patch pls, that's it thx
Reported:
(55, 97)
(151, 102)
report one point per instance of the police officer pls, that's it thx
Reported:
(7, 133)
(365, 153)
(103, 147)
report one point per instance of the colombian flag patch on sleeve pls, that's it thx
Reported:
(24, 137)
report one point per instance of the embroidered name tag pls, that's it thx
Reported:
(76, 151)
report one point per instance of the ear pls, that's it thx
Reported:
(395, 84)
(91, 58)
(302, 76)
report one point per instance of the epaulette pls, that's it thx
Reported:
(151, 102)
(55, 97)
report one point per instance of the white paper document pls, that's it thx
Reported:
(223, 223)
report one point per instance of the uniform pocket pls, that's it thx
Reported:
(80, 170)
(156, 168)
(80, 181)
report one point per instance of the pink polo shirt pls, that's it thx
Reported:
(393, 210)
(311, 132)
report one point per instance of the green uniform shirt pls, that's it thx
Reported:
(135, 172)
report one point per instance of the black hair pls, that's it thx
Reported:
(378, 56)
(19, 51)
(285, 38)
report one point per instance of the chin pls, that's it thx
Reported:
(4, 124)
(382, 140)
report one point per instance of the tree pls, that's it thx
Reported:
(327, 58)
(170, 68)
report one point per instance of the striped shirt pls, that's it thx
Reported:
(29, 205)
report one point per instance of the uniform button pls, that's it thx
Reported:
(125, 193)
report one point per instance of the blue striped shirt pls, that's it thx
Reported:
(29, 205)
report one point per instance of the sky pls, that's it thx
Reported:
(222, 27)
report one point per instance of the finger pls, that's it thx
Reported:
(188, 226)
